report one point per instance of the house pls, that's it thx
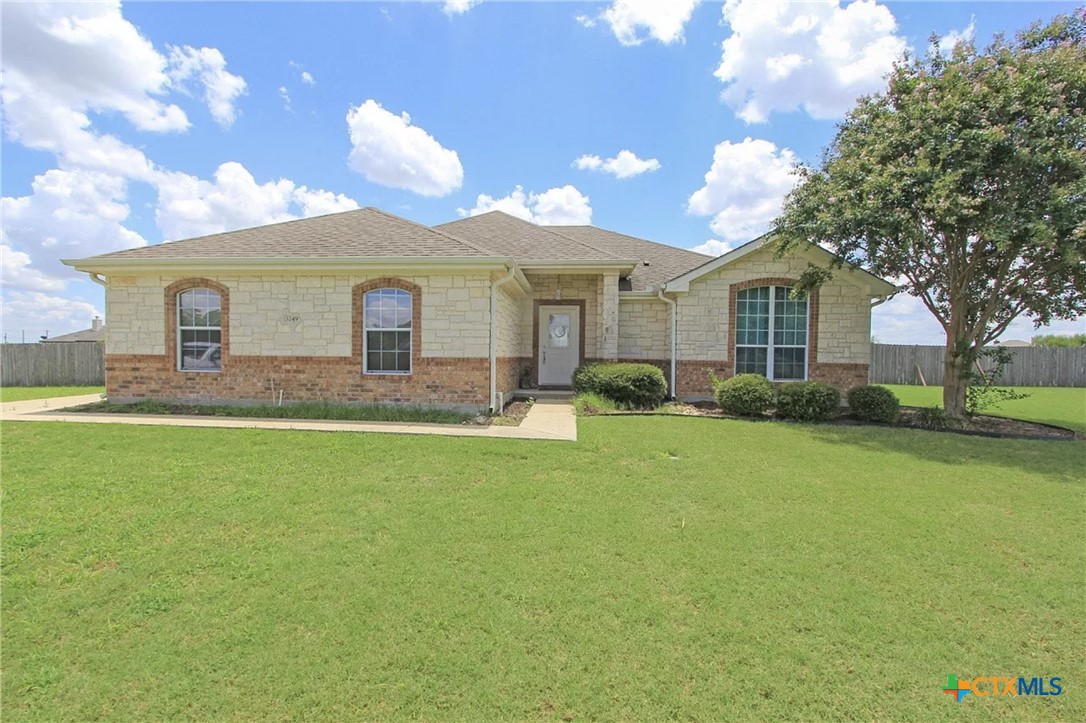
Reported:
(364, 306)
(95, 334)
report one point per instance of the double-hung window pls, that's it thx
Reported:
(386, 331)
(771, 333)
(199, 331)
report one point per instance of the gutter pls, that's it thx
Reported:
(293, 263)
(494, 286)
(674, 339)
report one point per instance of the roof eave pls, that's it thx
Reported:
(283, 263)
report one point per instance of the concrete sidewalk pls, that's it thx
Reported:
(546, 420)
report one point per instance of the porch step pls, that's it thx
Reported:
(556, 394)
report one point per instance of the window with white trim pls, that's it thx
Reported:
(386, 331)
(771, 333)
(199, 331)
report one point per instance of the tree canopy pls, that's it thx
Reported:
(964, 182)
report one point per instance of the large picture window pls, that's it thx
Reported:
(771, 333)
(386, 331)
(199, 331)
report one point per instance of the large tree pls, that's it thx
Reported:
(966, 182)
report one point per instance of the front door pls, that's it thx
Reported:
(559, 344)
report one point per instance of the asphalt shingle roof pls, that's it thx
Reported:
(363, 232)
(660, 262)
(521, 240)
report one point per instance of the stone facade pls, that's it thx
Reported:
(644, 329)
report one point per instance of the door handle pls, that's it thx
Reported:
(544, 356)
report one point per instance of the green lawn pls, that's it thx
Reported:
(1062, 406)
(19, 394)
(660, 567)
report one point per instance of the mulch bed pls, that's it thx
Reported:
(980, 425)
(513, 414)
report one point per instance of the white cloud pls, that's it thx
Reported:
(562, 205)
(965, 35)
(662, 21)
(458, 7)
(815, 56)
(189, 206)
(284, 95)
(625, 164)
(713, 247)
(744, 188)
(16, 272)
(585, 20)
(69, 214)
(307, 78)
(208, 67)
(388, 150)
(35, 313)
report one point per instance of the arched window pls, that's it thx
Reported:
(199, 330)
(386, 331)
(771, 333)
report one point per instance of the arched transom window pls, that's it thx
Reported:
(771, 333)
(386, 331)
(199, 330)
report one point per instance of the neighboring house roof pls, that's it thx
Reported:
(659, 262)
(1014, 342)
(92, 335)
(523, 241)
(363, 232)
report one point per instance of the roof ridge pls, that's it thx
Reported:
(547, 229)
(635, 238)
(432, 229)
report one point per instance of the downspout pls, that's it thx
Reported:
(97, 278)
(674, 328)
(494, 285)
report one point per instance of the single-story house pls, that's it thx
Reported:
(96, 334)
(364, 306)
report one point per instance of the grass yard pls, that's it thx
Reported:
(295, 410)
(21, 394)
(1062, 406)
(661, 567)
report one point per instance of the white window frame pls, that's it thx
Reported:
(770, 372)
(410, 336)
(181, 328)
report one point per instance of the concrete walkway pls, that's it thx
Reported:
(546, 420)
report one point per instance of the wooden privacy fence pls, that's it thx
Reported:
(1034, 366)
(58, 364)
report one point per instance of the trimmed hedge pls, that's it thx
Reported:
(808, 401)
(747, 395)
(633, 386)
(873, 403)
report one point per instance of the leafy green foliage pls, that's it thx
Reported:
(297, 410)
(873, 403)
(967, 180)
(747, 395)
(588, 403)
(808, 401)
(631, 386)
(982, 394)
(1059, 340)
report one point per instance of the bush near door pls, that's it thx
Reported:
(632, 386)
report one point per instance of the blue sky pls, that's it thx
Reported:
(674, 121)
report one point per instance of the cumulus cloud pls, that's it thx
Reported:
(947, 42)
(69, 214)
(307, 78)
(744, 188)
(625, 164)
(458, 7)
(388, 150)
(191, 206)
(284, 95)
(586, 20)
(207, 66)
(562, 205)
(816, 56)
(713, 247)
(36, 312)
(635, 21)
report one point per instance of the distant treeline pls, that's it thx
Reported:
(1061, 340)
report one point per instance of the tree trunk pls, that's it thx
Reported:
(954, 382)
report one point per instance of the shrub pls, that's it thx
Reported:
(808, 401)
(633, 386)
(747, 395)
(932, 418)
(873, 403)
